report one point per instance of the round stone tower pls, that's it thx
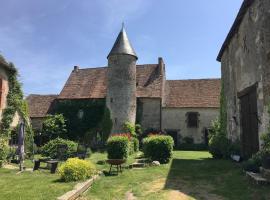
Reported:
(121, 89)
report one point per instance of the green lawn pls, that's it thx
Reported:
(36, 185)
(190, 175)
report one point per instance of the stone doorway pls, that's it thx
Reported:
(249, 121)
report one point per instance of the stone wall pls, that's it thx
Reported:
(150, 113)
(4, 89)
(245, 62)
(121, 91)
(175, 119)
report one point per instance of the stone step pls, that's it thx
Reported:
(142, 160)
(137, 165)
(265, 173)
(258, 178)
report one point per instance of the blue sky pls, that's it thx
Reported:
(46, 38)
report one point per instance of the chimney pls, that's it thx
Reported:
(76, 68)
(161, 65)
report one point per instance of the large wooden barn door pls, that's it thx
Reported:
(249, 122)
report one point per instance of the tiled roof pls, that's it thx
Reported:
(200, 93)
(245, 5)
(92, 83)
(40, 105)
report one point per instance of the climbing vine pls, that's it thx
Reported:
(84, 118)
(16, 103)
(223, 111)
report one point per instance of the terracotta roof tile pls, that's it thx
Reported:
(40, 105)
(92, 83)
(202, 93)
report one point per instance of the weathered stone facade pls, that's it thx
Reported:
(150, 113)
(245, 62)
(3, 89)
(139, 92)
(121, 93)
(175, 119)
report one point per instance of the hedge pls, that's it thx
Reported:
(75, 169)
(158, 148)
(52, 149)
(118, 147)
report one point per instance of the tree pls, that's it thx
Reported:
(54, 126)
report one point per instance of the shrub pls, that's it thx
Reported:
(75, 169)
(11, 152)
(54, 126)
(253, 164)
(3, 151)
(219, 144)
(135, 142)
(53, 147)
(158, 148)
(118, 147)
(130, 128)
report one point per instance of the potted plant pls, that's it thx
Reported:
(266, 159)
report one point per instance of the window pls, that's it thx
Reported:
(192, 119)
(80, 114)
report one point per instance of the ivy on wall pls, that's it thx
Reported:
(223, 111)
(16, 103)
(84, 117)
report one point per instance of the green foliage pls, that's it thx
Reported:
(118, 147)
(54, 126)
(75, 169)
(106, 124)
(16, 103)
(223, 112)
(136, 144)
(130, 128)
(52, 148)
(84, 116)
(138, 130)
(158, 148)
(253, 164)
(219, 144)
(3, 150)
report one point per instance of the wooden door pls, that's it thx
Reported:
(249, 123)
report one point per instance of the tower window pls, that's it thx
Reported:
(115, 120)
(111, 100)
(192, 119)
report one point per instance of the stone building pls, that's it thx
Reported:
(141, 93)
(5, 70)
(245, 64)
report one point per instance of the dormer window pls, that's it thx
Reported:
(192, 119)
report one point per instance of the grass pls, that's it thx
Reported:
(190, 175)
(36, 185)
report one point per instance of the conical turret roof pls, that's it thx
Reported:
(122, 45)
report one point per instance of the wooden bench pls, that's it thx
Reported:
(53, 163)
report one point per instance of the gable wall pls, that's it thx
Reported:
(175, 119)
(245, 63)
